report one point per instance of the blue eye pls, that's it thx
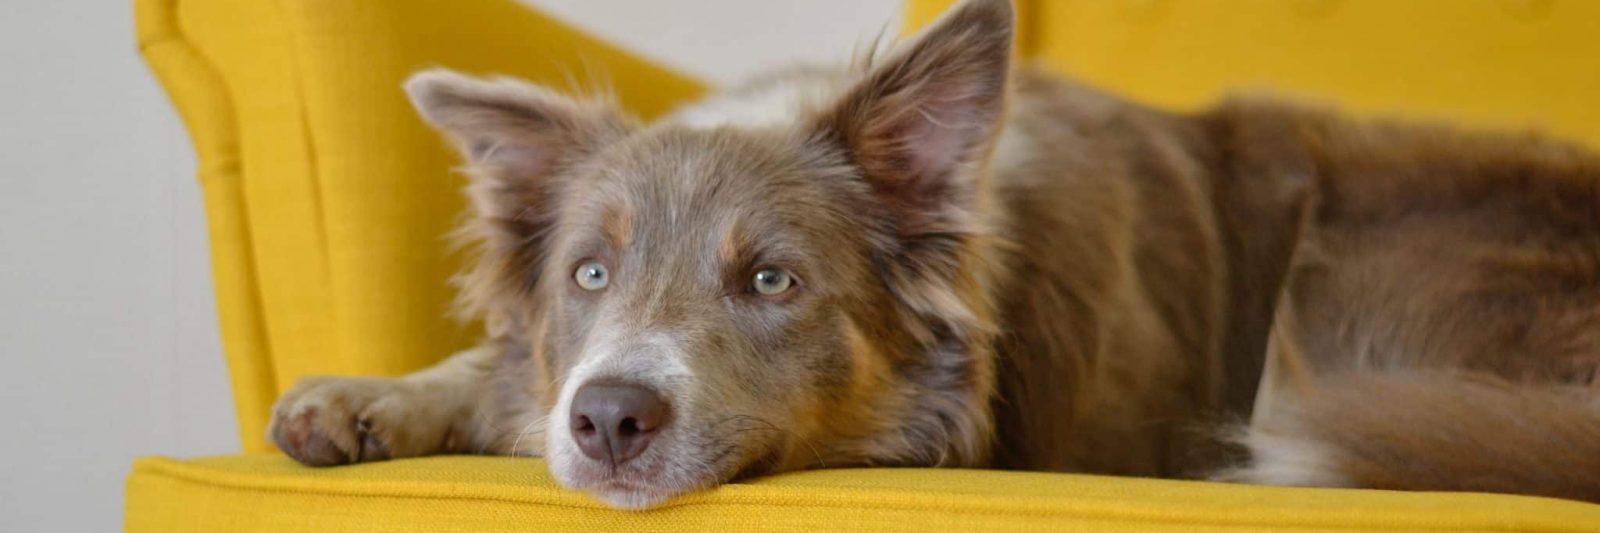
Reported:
(771, 282)
(592, 276)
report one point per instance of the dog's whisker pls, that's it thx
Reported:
(516, 444)
(765, 425)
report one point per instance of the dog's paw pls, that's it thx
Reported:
(326, 421)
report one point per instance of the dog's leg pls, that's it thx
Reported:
(326, 421)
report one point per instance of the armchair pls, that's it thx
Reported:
(328, 200)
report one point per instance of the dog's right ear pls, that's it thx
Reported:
(511, 130)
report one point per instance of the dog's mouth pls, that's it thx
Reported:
(632, 496)
(633, 488)
(665, 474)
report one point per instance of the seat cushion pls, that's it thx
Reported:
(458, 493)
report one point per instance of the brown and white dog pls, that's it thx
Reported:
(934, 259)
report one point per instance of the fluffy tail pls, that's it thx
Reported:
(1443, 432)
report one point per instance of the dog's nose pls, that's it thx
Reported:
(614, 422)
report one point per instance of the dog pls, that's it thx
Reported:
(931, 258)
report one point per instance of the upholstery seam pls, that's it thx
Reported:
(314, 173)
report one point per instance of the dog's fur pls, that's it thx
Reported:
(997, 268)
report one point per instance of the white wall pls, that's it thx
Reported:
(108, 341)
(721, 40)
(108, 337)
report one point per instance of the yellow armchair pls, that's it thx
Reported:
(328, 200)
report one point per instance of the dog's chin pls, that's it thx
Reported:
(628, 488)
(630, 498)
(629, 495)
(665, 471)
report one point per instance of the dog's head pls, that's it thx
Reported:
(707, 302)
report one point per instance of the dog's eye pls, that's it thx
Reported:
(771, 282)
(592, 276)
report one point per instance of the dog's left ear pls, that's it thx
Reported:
(918, 123)
(920, 126)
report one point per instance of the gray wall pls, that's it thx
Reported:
(108, 337)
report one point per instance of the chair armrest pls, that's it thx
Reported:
(327, 199)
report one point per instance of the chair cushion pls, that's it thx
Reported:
(272, 493)
(1480, 63)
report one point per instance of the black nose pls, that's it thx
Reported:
(614, 422)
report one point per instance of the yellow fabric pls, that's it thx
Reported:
(327, 201)
(1485, 63)
(271, 494)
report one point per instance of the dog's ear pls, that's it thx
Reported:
(514, 135)
(918, 122)
(519, 140)
(920, 126)
(509, 127)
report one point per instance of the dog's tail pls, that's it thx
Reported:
(1430, 431)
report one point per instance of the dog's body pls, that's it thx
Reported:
(937, 261)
